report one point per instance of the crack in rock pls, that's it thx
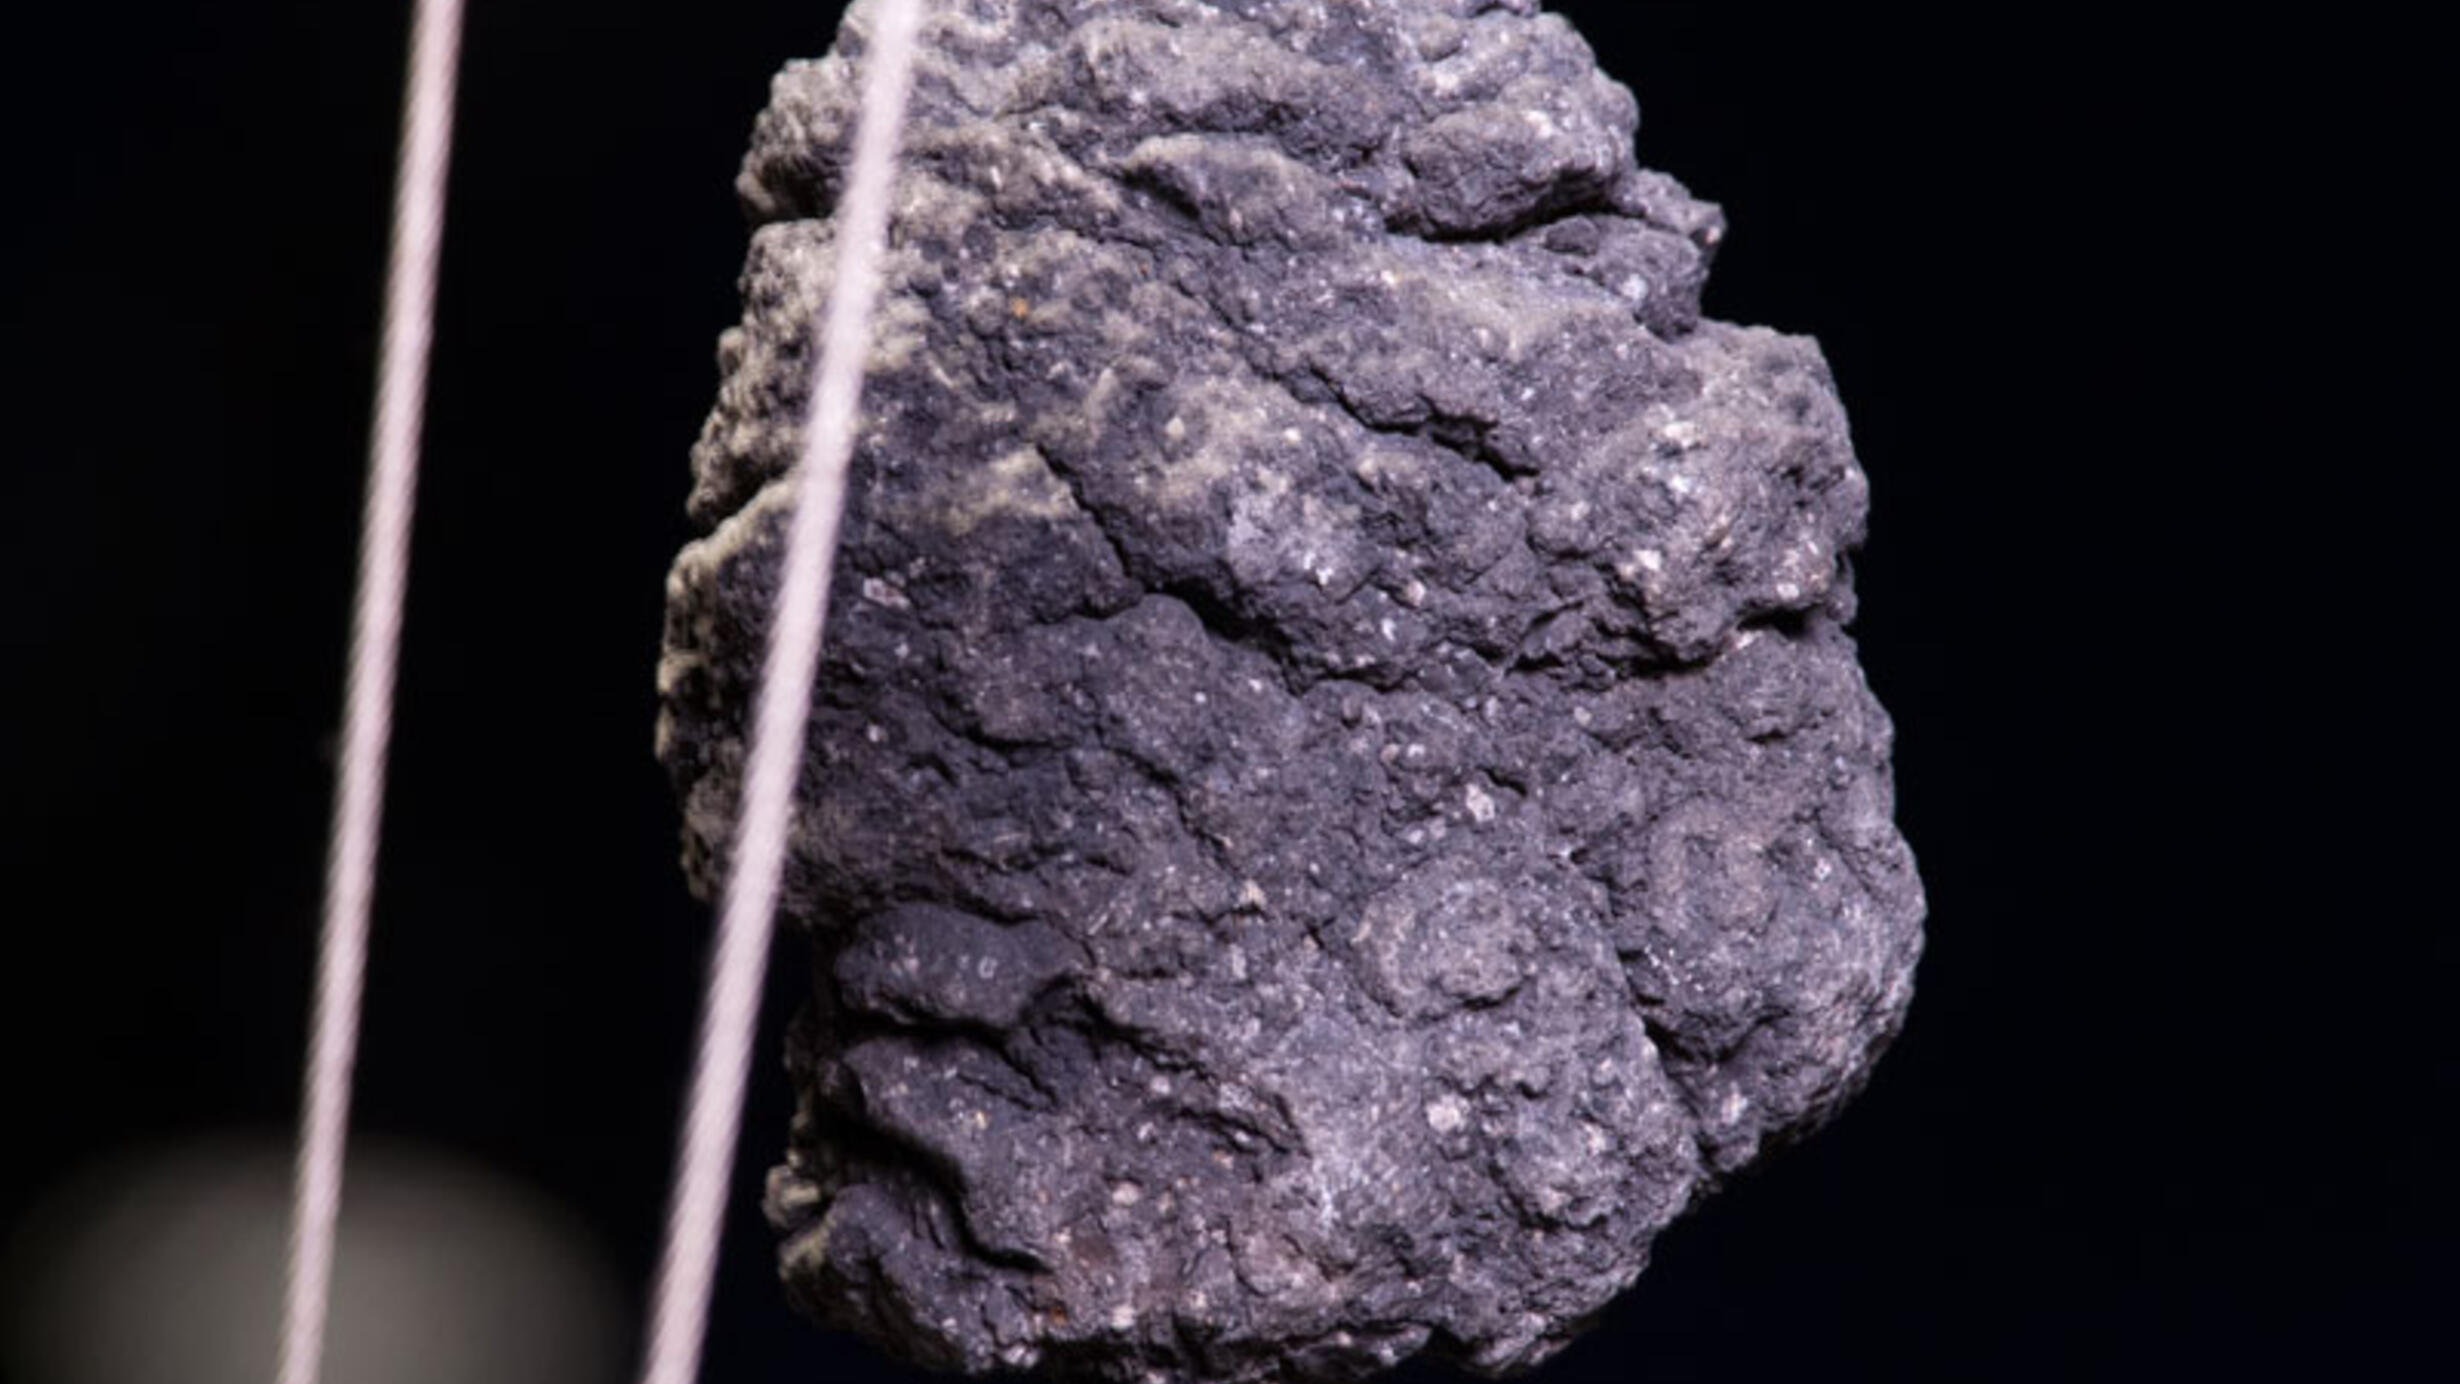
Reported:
(1340, 800)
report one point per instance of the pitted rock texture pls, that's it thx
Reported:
(1340, 801)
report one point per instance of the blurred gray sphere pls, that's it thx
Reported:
(167, 1266)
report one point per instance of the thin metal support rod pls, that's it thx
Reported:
(375, 643)
(713, 1109)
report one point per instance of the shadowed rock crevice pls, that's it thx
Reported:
(1340, 800)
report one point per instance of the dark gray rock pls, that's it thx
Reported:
(1340, 801)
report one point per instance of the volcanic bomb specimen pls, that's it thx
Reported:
(1340, 801)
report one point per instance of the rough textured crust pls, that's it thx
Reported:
(1340, 802)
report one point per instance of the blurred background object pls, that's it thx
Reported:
(166, 1265)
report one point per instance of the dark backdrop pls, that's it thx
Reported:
(2162, 1105)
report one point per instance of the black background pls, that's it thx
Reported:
(2167, 1099)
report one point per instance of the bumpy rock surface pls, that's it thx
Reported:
(1340, 801)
